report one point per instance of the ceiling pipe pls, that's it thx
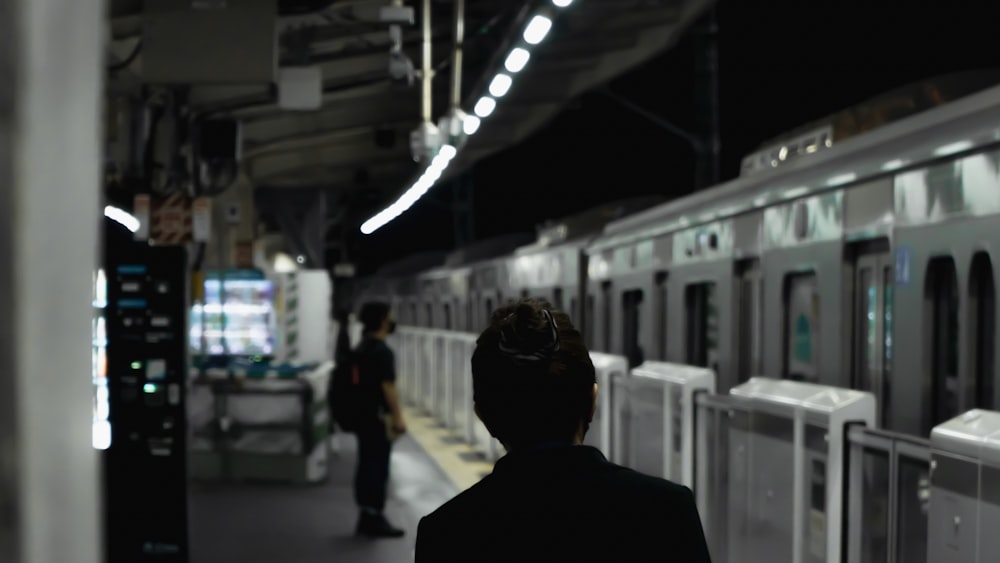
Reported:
(456, 65)
(426, 75)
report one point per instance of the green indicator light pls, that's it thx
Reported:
(149, 388)
(136, 365)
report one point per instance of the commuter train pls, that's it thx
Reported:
(857, 256)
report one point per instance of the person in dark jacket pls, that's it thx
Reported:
(552, 498)
(381, 417)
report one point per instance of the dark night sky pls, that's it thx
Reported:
(779, 67)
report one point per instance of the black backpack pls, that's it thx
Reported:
(347, 398)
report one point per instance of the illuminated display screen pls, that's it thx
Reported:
(237, 318)
(99, 364)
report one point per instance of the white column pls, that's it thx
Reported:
(51, 75)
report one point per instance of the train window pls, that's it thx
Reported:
(802, 328)
(430, 315)
(447, 316)
(632, 305)
(941, 302)
(873, 286)
(413, 314)
(606, 294)
(588, 321)
(660, 314)
(701, 325)
(982, 308)
(749, 319)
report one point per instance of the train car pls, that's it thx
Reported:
(868, 265)
(554, 267)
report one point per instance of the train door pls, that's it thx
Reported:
(702, 325)
(589, 320)
(749, 319)
(632, 305)
(447, 316)
(941, 336)
(802, 336)
(606, 296)
(872, 330)
(982, 310)
(660, 314)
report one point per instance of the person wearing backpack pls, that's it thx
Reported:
(368, 405)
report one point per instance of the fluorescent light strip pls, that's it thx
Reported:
(471, 124)
(501, 85)
(537, 29)
(127, 220)
(517, 60)
(485, 106)
(426, 181)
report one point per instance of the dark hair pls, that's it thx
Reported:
(532, 376)
(372, 314)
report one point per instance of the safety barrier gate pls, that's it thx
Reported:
(964, 515)
(608, 367)
(888, 495)
(795, 435)
(657, 411)
(435, 377)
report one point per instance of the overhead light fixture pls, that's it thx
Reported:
(485, 106)
(793, 193)
(893, 165)
(562, 3)
(537, 29)
(953, 148)
(471, 124)
(517, 60)
(123, 217)
(841, 179)
(415, 192)
(501, 85)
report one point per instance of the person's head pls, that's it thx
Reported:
(532, 377)
(376, 319)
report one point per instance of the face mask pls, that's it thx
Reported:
(392, 327)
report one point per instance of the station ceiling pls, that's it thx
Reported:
(357, 146)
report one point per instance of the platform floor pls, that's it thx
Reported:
(271, 523)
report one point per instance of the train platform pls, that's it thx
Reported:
(267, 523)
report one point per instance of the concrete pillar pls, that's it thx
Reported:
(51, 72)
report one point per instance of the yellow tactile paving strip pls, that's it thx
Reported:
(459, 461)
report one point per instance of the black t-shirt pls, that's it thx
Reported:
(377, 365)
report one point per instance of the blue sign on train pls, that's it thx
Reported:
(903, 266)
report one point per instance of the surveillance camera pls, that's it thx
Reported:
(401, 69)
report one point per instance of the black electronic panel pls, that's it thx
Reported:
(146, 469)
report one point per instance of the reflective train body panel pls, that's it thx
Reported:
(869, 265)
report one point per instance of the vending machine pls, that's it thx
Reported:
(145, 319)
(237, 318)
